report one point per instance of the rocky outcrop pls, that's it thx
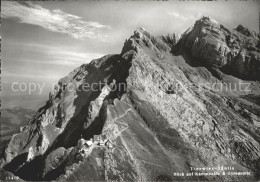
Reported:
(142, 39)
(155, 109)
(96, 105)
(245, 31)
(214, 45)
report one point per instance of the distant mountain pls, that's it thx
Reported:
(27, 101)
(11, 122)
(163, 105)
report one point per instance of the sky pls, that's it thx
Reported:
(42, 41)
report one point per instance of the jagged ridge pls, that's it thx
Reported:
(162, 122)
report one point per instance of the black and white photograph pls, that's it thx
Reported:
(130, 90)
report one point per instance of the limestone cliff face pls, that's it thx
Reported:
(157, 108)
(213, 44)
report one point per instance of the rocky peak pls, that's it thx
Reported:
(207, 21)
(245, 31)
(140, 32)
(142, 39)
(215, 45)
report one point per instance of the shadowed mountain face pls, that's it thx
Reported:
(165, 104)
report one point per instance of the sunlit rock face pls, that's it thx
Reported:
(214, 45)
(161, 106)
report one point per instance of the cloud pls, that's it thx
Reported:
(53, 20)
(184, 17)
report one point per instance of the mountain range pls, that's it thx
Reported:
(165, 106)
